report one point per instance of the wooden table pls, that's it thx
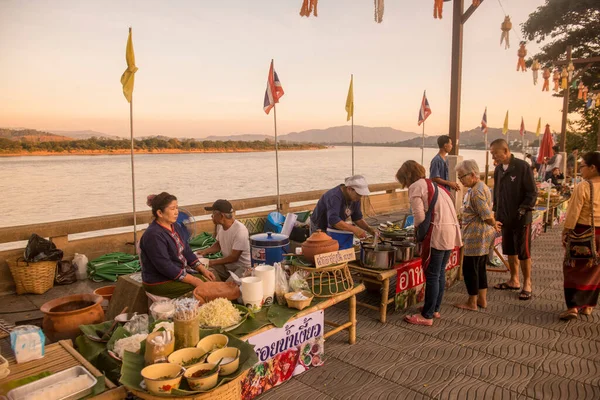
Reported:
(58, 357)
(380, 277)
(350, 326)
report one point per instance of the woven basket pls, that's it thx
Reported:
(327, 281)
(36, 277)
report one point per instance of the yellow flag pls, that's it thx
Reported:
(128, 75)
(350, 100)
(538, 130)
(505, 127)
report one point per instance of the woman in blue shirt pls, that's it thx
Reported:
(165, 256)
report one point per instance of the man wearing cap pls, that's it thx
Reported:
(339, 204)
(232, 240)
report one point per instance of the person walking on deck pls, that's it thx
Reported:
(478, 233)
(438, 169)
(515, 195)
(428, 200)
(581, 273)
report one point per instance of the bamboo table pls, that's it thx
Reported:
(58, 357)
(350, 326)
(379, 277)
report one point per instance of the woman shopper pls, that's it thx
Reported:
(443, 235)
(165, 256)
(582, 271)
(478, 232)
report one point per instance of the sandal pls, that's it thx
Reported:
(506, 286)
(417, 319)
(436, 315)
(568, 315)
(525, 295)
(586, 310)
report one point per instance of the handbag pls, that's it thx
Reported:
(582, 246)
(423, 228)
(65, 273)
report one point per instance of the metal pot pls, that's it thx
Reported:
(377, 257)
(405, 252)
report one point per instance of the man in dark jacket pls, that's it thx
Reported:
(515, 195)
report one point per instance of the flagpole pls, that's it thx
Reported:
(423, 144)
(133, 175)
(487, 158)
(276, 154)
(352, 143)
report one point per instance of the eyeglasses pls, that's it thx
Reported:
(461, 177)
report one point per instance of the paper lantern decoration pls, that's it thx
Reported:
(506, 26)
(535, 67)
(379, 11)
(438, 6)
(570, 70)
(592, 101)
(546, 76)
(476, 3)
(574, 84)
(564, 75)
(585, 93)
(522, 53)
(309, 7)
(556, 79)
(580, 90)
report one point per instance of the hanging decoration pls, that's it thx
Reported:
(585, 93)
(535, 67)
(546, 76)
(598, 100)
(506, 26)
(379, 11)
(438, 6)
(308, 7)
(570, 70)
(556, 79)
(522, 53)
(591, 103)
(564, 75)
(476, 3)
(574, 84)
(580, 91)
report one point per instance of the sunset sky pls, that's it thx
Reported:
(203, 66)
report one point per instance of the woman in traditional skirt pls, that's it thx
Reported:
(443, 235)
(582, 276)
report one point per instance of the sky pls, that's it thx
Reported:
(203, 66)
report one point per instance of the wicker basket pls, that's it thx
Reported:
(36, 277)
(299, 304)
(327, 281)
(229, 391)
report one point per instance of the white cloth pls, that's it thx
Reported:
(446, 229)
(235, 238)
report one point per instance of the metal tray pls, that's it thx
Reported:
(71, 373)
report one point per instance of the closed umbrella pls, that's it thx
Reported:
(545, 148)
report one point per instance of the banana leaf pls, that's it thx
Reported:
(252, 323)
(89, 348)
(131, 376)
(8, 386)
(92, 332)
(119, 333)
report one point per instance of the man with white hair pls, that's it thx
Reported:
(338, 205)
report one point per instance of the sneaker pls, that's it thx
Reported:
(417, 319)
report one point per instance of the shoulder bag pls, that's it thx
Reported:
(582, 246)
(423, 228)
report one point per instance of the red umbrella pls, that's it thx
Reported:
(546, 146)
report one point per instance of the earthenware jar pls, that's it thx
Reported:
(318, 243)
(64, 315)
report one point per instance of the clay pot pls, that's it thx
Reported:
(64, 315)
(318, 243)
(106, 292)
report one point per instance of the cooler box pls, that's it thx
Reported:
(274, 222)
(268, 248)
(345, 239)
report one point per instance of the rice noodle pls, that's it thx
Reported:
(131, 343)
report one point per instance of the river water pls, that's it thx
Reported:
(53, 188)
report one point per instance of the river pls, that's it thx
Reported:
(39, 189)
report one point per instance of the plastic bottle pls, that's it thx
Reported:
(80, 261)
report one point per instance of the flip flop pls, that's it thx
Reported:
(417, 319)
(525, 295)
(586, 310)
(568, 315)
(482, 307)
(506, 286)
(435, 314)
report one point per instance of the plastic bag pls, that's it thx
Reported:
(81, 261)
(40, 249)
(65, 273)
(137, 324)
(27, 342)
(298, 281)
(281, 284)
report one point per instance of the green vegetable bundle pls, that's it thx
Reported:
(109, 266)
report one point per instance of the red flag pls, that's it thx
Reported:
(274, 90)
(425, 110)
(522, 130)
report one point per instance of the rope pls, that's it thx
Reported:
(513, 28)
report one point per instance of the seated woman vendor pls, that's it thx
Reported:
(165, 257)
(339, 204)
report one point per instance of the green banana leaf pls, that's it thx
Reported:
(93, 331)
(252, 323)
(133, 364)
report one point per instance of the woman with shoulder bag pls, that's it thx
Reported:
(581, 239)
(437, 228)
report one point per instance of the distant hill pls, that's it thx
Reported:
(243, 138)
(473, 138)
(32, 135)
(86, 134)
(342, 134)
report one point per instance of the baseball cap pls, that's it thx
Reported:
(359, 184)
(221, 205)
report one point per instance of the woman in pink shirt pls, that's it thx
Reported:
(442, 236)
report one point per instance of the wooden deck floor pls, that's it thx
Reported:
(513, 350)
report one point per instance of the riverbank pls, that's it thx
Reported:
(155, 151)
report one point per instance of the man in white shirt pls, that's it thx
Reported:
(232, 240)
(554, 162)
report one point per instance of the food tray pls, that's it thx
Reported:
(68, 374)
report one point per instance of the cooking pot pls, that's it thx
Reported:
(377, 256)
(405, 250)
(318, 243)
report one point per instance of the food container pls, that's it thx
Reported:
(204, 382)
(162, 310)
(187, 333)
(318, 243)
(214, 342)
(62, 376)
(188, 357)
(268, 248)
(227, 368)
(162, 378)
(299, 304)
(158, 352)
(377, 256)
(345, 239)
(405, 251)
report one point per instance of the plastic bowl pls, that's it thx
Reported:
(105, 291)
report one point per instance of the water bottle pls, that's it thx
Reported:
(80, 261)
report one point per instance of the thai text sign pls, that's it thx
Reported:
(335, 257)
(411, 273)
